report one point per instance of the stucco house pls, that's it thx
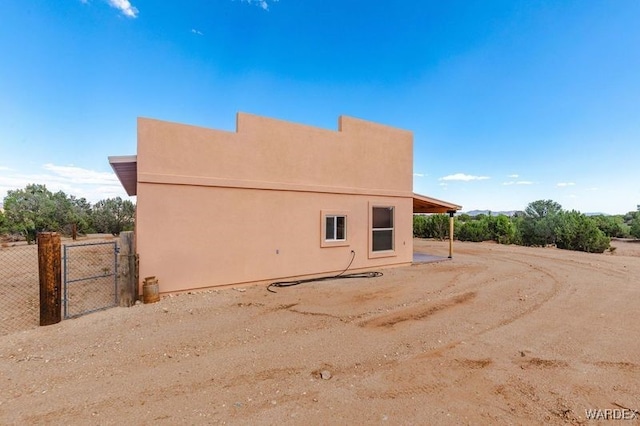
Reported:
(271, 200)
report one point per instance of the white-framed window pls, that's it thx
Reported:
(335, 228)
(382, 228)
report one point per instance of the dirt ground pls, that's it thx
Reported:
(498, 335)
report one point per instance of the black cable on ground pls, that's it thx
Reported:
(341, 275)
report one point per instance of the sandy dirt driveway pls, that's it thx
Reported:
(498, 335)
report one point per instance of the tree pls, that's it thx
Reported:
(81, 214)
(629, 217)
(475, 230)
(35, 209)
(611, 226)
(542, 208)
(420, 226)
(30, 210)
(635, 227)
(4, 225)
(438, 226)
(578, 232)
(113, 215)
(502, 229)
(431, 226)
(464, 217)
(540, 222)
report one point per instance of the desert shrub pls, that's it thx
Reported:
(475, 230)
(635, 227)
(501, 229)
(575, 231)
(4, 225)
(35, 208)
(114, 215)
(438, 226)
(431, 226)
(612, 226)
(464, 217)
(538, 227)
(420, 226)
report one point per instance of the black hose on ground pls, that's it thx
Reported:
(341, 275)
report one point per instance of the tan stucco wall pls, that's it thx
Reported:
(219, 208)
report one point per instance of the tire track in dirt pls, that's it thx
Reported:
(621, 365)
(555, 291)
(427, 296)
(556, 287)
(416, 313)
(574, 263)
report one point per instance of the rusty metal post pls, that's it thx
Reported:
(50, 272)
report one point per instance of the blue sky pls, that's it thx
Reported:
(509, 101)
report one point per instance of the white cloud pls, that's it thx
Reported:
(463, 177)
(263, 4)
(89, 184)
(4, 168)
(419, 175)
(194, 31)
(518, 182)
(125, 7)
(80, 175)
(514, 176)
(563, 184)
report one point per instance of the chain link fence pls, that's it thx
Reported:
(89, 279)
(19, 287)
(89, 275)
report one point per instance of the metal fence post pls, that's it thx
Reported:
(49, 269)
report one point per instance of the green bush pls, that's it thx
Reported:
(431, 226)
(576, 231)
(612, 226)
(475, 230)
(502, 229)
(438, 226)
(420, 226)
(539, 223)
(34, 209)
(635, 227)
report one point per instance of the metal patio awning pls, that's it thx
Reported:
(424, 204)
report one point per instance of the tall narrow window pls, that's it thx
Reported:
(335, 228)
(382, 228)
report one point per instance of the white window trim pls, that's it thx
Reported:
(382, 253)
(323, 228)
(335, 227)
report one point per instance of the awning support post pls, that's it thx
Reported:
(451, 213)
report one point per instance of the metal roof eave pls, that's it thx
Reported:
(126, 169)
(424, 204)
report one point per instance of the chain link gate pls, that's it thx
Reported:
(90, 281)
